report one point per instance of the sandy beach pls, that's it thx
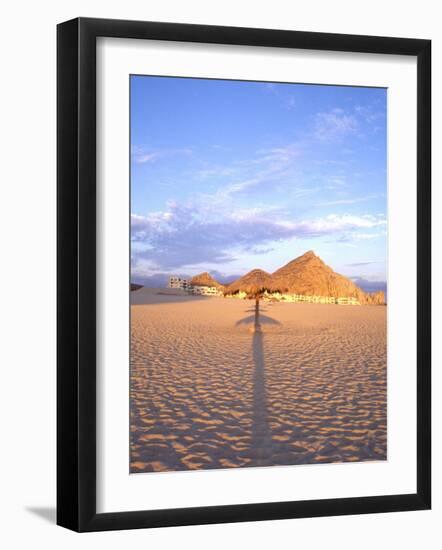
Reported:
(209, 392)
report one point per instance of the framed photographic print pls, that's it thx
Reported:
(243, 274)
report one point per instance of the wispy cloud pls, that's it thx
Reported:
(335, 182)
(369, 113)
(359, 264)
(272, 166)
(189, 235)
(142, 158)
(353, 200)
(279, 155)
(291, 103)
(285, 100)
(141, 155)
(370, 236)
(217, 171)
(334, 125)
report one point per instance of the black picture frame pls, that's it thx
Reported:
(76, 273)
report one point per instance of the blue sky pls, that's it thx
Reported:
(227, 176)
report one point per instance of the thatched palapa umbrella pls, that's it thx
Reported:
(254, 282)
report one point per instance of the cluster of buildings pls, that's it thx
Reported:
(201, 290)
(279, 297)
(348, 301)
(206, 290)
(184, 284)
(239, 294)
(178, 282)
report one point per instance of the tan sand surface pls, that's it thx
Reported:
(208, 392)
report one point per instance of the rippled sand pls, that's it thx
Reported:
(208, 392)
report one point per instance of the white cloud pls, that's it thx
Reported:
(142, 159)
(369, 236)
(334, 125)
(369, 113)
(280, 155)
(354, 200)
(336, 181)
(143, 156)
(196, 234)
(273, 165)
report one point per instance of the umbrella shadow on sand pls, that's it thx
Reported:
(257, 319)
(263, 320)
(261, 439)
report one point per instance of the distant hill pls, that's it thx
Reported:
(307, 275)
(253, 281)
(135, 286)
(205, 279)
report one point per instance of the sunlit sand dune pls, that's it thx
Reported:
(209, 392)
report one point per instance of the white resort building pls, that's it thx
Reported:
(277, 296)
(241, 295)
(348, 301)
(201, 290)
(178, 282)
(205, 290)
